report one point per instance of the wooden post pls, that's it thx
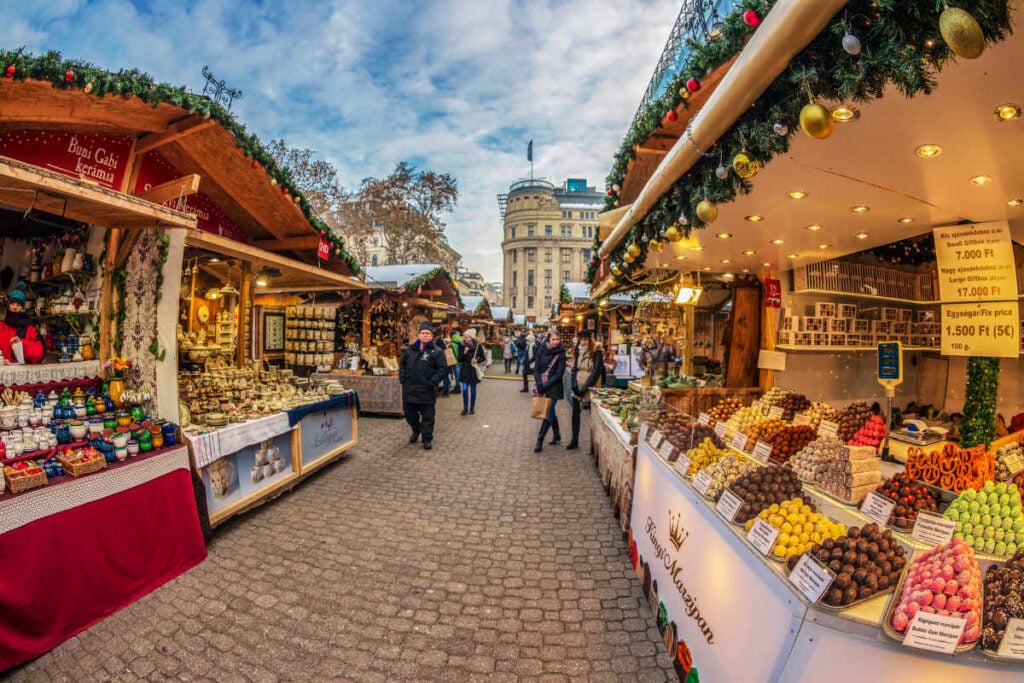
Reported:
(365, 342)
(244, 298)
(107, 302)
(744, 332)
(690, 313)
(769, 332)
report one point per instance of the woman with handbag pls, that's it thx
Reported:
(548, 371)
(587, 373)
(473, 362)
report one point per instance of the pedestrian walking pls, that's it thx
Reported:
(521, 344)
(422, 367)
(527, 363)
(587, 373)
(548, 370)
(508, 352)
(440, 343)
(474, 362)
(455, 342)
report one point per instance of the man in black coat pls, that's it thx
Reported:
(422, 366)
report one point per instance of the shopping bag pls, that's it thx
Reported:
(479, 372)
(539, 406)
(449, 356)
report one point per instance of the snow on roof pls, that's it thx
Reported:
(398, 275)
(471, 303)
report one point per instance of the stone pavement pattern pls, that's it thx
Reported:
(478, 560)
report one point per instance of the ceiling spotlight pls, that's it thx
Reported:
(928, 151)
(1007, 112)
(744, 270)
(725, 260)
(844, 114)
(777, 241)
(213, 259)
(680, 258)
(755, 218)
(861, 235)
(981, 180)
(698, 248)
(797, 194)
(860, 208)
(726, 276)
(723, 235)
(814, 227)
(822, 246)
(212, 294)
(261, 281)
(707, 267)
(749, 252)
(767, 264)
(790, 256)
(905, 219)
(1015, 202)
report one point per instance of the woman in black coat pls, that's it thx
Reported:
(548, 371)
(473, 354)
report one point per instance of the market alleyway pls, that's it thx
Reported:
(478, 560)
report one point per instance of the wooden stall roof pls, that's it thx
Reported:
(30, 187)
(189, 142)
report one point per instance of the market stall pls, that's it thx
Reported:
(613, 437)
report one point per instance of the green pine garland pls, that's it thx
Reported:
(895, 52)
(979, 423)
(129, 83)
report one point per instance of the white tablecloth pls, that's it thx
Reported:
(215, 444)
(50, 372)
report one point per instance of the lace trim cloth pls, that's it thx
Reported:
(13, 375)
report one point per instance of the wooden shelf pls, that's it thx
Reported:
(829, 349)
(59, 280)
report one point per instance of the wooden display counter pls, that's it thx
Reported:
(614, 450)
(380, 394)
(697, 401)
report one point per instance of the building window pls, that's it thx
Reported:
(547, 231)
(515, 279)
(566, 230)
(513, 235)
(586, 256)
(529, 278)
(566, 276)
(547, 279)
(529, 302)
(531, 254)
(547, 255)
(513, 302)
(547, 302)
(529, 230)
(566, 255)
(515, 256)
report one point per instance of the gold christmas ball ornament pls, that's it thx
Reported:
(707, 211)
(616, 270)
(816, 121)
(656, 246)
(745, 166)
(962, 33)
(628, 258)
(684, 94)
(633, 250)
(673, 234)
(612, 281)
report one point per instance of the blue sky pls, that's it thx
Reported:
(455, 86)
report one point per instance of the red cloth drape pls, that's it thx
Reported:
(65, 572)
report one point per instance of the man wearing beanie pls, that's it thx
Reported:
(17, 328)
(422, 366)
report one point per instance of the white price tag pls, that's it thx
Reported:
(762, 536)
(682, 465)
(933, 529)
(775, 413)
(644, 429)
(934, 632)
(827, 428)
(877, 508)
(739, 441)
(728, 505)
(811, 577)
(1013, 640)
(654, 437)
(801, 419)
(666, 450)
(720, 429)
(1014, 463)
(762, 451)
(704, 419)
(701, 482)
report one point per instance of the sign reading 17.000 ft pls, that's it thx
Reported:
(978, 288)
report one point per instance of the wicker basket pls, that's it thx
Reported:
(77, 469)
(19, 484)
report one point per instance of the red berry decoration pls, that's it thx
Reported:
(9, 73)
(255, 164)
(750, 18)
(693, 85)
(284, 190)
(69, 76)
(323, 233)
(611, 193)
(672, 115)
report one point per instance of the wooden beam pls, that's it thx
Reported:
(366, 319)
(289, 243)
(172, 189)
(175, 131)
(128, 239)
(222, 178)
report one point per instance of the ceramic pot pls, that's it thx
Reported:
(115, 390)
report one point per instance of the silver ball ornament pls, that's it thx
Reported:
(722, 171)
(780, 128)
(851, 44)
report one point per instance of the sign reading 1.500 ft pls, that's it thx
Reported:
(975, 264)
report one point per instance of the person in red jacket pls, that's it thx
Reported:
(17, 326)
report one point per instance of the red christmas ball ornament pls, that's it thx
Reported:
(693, 85)
(284, 191)
(323, 233)
(611, 193)
(9, 73)
(750, 18)
(672, 115)
(255, 164)
(69, 76)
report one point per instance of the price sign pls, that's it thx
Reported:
(654, 437)
(934, 632)
(975, 262)
(762, 536)
(775, 413)
(1012, 645)
(728, 505)
(644, 429)
(1014, 463)
(801, 419)
(811, 577)
(704, 419)
(983, 329)
(682, 465)
(739, 441)
(762, 451)
(701, 482)
(828, 428)
(933, 529)
(667, 450)
(720, 429)
(877, 508)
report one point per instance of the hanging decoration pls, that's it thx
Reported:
(851, 44)
(780, 128)
(750, 18)
(9, 71)
(673, 233)
(672, 115)
(962, 33)
(633, 250)
(722, 172)
(979, 411)
(745, 166)
(707, 211)
(693, 85)
(816, 121)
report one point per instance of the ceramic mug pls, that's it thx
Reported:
(260, 457)
(278, 465)
(120, 439)
(268, 471)
(133, 448)
(256, 474)
(121, 454)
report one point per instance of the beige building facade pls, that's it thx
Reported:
(548, 236)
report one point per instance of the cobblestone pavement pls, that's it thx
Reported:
(477, 561)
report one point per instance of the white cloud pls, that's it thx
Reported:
(459, 85)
